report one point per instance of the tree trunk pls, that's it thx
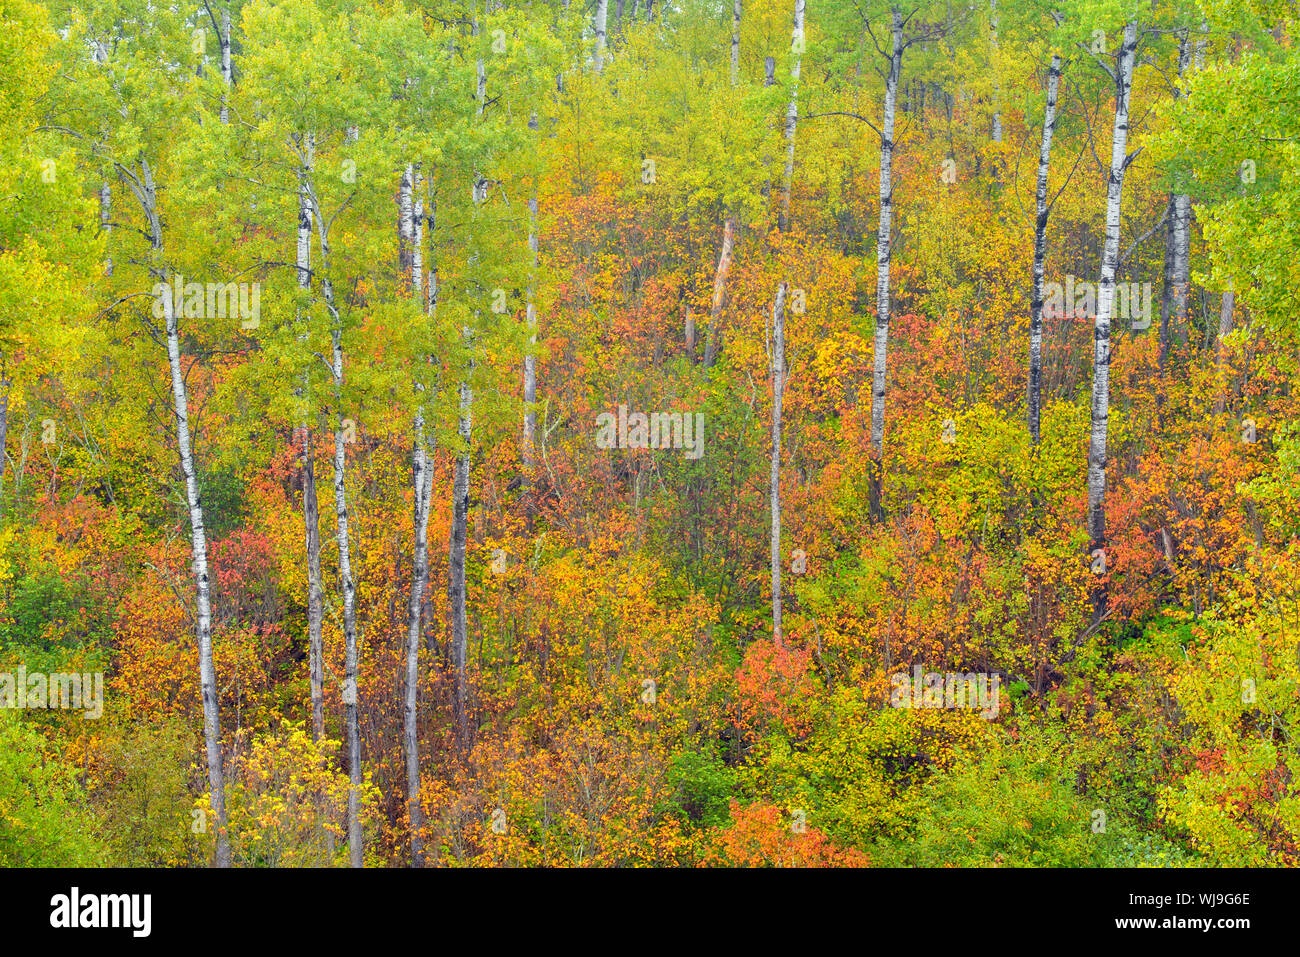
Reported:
(422, 487)
(1040, 253)
(422, 481)
(310, 502)
(227, 71)
(199, 552)
(105, 223)
(417, 236)
(720, 290)
(1173, 304)
(356, 850)
(530, 358)
(602, 11)
(456, 563)
(735, 43)
(792, 115)
(315, 591)
(774, 492)
(456, 596)
(997, 92)
(1119, 158)
(1221, 353)
(405, 227)
(883, 252)
(5, 383)
(147, 193)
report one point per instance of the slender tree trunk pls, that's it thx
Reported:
(5, 383)
(356, 848)
(602, 11)
(315, 591)
(530, 358)
(883, 253)
(310, 501)
(417, 235)
(456, 595)
(997, 91)
(199, 552)
(227, 71)
(720, 290)
(1173, 304)
(422, 486)
(356, 854)
(1119, 158)
(105, 193)
(735, 42)
(406, 230)
(1040, 253)
(147, 193)
(456, 564)
(1220, 350)
(774, 492)
(105, 223)
(422, 481)
(792, 114)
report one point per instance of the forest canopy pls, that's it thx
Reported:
(669, 433)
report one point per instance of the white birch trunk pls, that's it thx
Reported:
(1221, 351)
(422, 481)
(405, 228)
(356, 849)
(530, 358)
(456, 596)
(310, 501)
(417, 235)
(602, 11)
(5, 383)
(1034, 399)
(456, 563)
(1123, 76)
(147, 194)
(774, 491)
(720, 291)
(199, 552)
(1173, 306)
(883, 254)
(422, 487)
(997, 91)
(227, 71)
(735, 43)
(792, 114)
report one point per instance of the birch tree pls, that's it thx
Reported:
(1122, 75)
(456, 596)
(1042, 210)
(310, 501)
(792, 112)
(119, 134)
(919, 24)
(1178, 240)
(777, 346)
(598, 26)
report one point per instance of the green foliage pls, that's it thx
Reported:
(45, 819)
